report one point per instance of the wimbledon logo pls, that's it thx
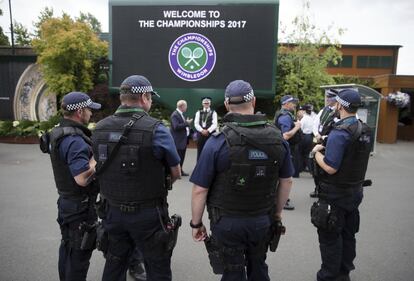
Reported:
(192, 57)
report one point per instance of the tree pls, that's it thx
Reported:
(302, 61)
(21, 35)
(4, 40)
(67, 52)
(45, 14)
(91, 20)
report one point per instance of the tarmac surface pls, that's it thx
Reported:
(30, 237)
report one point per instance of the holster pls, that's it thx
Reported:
(215, 255)
(276, 230)
(323, 216)
(163, 241)
(89, 236)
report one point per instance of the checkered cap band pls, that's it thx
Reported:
(79, 105)
(342, 102)
(141, 89)
(249, 96)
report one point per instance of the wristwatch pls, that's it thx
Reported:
(198, 225)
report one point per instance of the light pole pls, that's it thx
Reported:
(11, 28)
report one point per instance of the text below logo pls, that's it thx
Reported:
(192, 57)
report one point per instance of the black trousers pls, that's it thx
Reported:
(201, 141)
(127, 231)
(338, 247)
(245, 234)
(181, 153)
(73, 262)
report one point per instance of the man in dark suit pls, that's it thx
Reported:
(180, 130)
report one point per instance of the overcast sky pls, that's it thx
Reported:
(368, 22)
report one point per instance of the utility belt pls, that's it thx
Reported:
(161, 243)
(325, 187)
(135, 206)
(214, 214)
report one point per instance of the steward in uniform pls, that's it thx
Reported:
(244, 177)
(205, 122)
(342, 176)
(134, 154)
(291, 131)
(73, 166)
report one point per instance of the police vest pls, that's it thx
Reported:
(355, 160)
(206, 118)
(249, 186)
(134, 175)
(297, 137)
(65, 183)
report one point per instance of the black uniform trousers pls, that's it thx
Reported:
(201, 141)
(73, 262)
(127, 230)
(338, 245)
(243, 235)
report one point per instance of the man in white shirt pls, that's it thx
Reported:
(205, 122)
(305, 146)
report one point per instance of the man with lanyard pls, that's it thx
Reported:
(342, 172)
(291, 131)
(134, 152)
(205, 122)
(180, 130)
(323, 124)
(73, 166)
(244, 177)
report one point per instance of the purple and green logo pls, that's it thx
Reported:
(192, 57)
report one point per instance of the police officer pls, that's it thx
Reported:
(205, 122)
(323, 124)
(286, 121)
(73, 166)
(343, 167)
(241, 174)
(134, 152)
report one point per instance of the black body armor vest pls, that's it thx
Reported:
(355, 160)
(65, 183)
(134, 175)
(297, 137)
(206, 117)
(248, 187)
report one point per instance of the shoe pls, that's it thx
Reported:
(288, 206)
(137, 272)
(184, 174)
(313, 194)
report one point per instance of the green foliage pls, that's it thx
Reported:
(4, 40)
(91, 20)
(45, 14)
(27, 128)
(21, 35)
(302, 61)
(67, 52)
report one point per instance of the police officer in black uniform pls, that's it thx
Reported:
(342, 173)
(73, 166)
(134, 152)
(286, 121)
(244, 177)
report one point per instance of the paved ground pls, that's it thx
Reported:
(29, 235)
